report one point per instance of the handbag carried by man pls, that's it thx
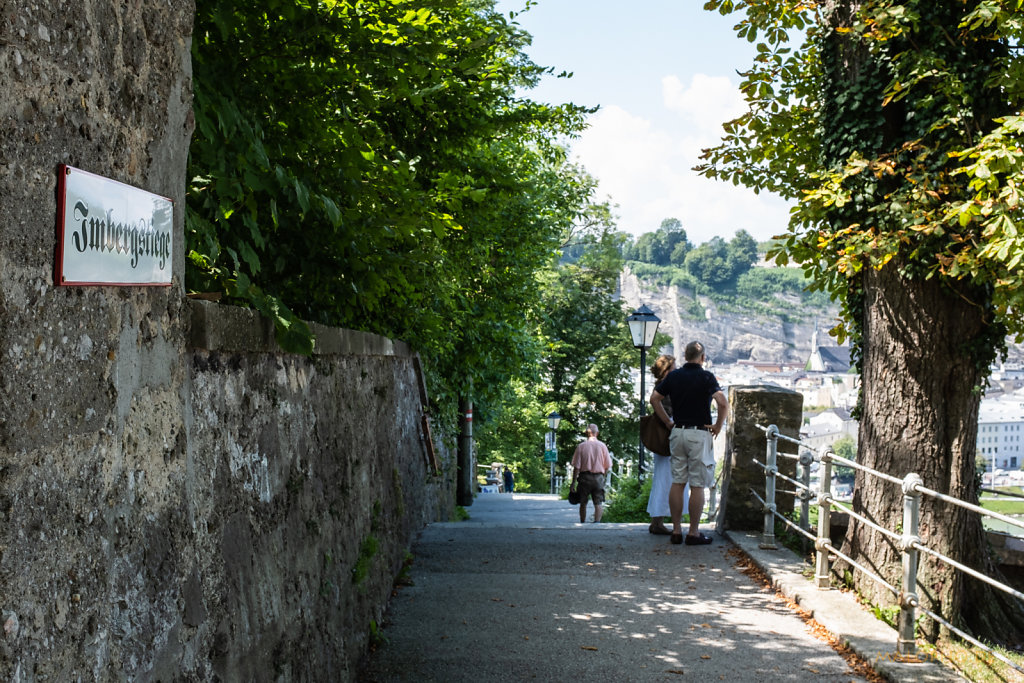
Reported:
(654, 435)
(574, 496)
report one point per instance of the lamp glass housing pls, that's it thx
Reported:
(643, 325)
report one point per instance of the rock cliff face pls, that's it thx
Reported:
(734, 336)
(729, 336)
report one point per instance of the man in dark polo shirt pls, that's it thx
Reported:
(691, 389)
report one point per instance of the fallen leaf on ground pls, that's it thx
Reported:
(587, 647)
(705, 656)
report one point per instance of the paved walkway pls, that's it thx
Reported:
(523, 591)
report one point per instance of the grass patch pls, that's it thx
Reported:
(629, 503)
(366, 553)
(460, 514)
(404, 577)
(973, 663)
(1004, 506)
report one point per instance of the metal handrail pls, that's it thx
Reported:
(880, 529)
(909, 541)
(965, 636)
(974, 508)
(1011, 494)
(789, 522)
(780, 475)
(827, 545)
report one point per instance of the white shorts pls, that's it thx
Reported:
(693, 457)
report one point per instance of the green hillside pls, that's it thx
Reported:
(771, 291)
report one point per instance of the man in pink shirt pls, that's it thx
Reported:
(590, 462)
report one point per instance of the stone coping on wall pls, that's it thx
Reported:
(232, 329)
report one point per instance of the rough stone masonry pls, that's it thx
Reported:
(179, 500)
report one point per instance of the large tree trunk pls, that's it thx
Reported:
(920, 396)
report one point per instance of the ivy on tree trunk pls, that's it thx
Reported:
(895, 127)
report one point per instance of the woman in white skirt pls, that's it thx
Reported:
(661, 479)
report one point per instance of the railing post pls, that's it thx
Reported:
(906, 643)
(771, 469)
(806, 458)
(821, 572)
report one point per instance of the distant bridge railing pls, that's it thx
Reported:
(909, 541)
(621, 470)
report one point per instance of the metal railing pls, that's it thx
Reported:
(909, 541)
(621, 469)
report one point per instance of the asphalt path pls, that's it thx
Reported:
(522, 591)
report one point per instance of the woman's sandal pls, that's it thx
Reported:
(658, 529)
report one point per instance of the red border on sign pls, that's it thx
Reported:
(63, 171)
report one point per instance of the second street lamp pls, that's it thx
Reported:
(551, 452)
(643, 325)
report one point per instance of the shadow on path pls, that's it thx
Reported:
(523, 591)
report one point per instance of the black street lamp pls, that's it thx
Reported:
(643, 325)
(551, 452)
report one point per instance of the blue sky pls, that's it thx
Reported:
(664, 74)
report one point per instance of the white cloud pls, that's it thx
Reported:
(708, 102)
(645, 167)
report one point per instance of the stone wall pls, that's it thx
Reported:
(751, 406)
(178, 499)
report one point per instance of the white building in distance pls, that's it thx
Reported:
(1001, 431)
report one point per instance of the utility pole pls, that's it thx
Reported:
(466, 461)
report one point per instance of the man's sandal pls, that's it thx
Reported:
(699, 539)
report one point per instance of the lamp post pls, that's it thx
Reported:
(550, 450)
(643, 325)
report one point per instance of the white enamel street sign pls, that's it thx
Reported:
(110, 233)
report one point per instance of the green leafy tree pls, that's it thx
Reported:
(895, 126)
(371, 165)
(580, 323)
(573, 324)
(586, 363)
(670, 242)
(740, 254)
(679, 252)
(645, 249)
(845, 447)
(514, 434)
(708, 263)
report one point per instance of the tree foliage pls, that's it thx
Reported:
(713, 264)
(927, 143)
(668, 245)
(585, 364)
(895, 124)
(717, 263)
(370, 165)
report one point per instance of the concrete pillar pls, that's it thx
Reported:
(750, 406)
